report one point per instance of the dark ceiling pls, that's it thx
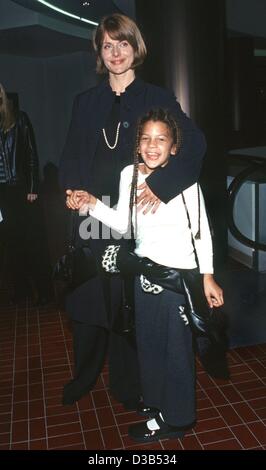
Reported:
(37, 41)
(40, 41)
(91, 9)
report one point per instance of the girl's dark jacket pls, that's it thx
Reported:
(90, 111)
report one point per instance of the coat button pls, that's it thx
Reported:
(126, 124)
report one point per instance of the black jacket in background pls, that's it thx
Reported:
(23, 160)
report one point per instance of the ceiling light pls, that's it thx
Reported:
(66, 13)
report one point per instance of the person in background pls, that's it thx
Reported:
(98, 146)
(164, 338)
(22, 229)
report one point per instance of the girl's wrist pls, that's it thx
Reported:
(92, 202)
(208, 276)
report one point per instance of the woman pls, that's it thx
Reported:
(98, 146)
(19, 181)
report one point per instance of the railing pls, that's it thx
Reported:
(255, 165)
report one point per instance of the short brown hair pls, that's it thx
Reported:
(120, 28)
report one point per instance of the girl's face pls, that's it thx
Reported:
(118, 56)
(156, 145)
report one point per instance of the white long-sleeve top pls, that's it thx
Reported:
(164, 236)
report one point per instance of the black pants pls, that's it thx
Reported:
(94, 309)
(166, 357)
(91, 345)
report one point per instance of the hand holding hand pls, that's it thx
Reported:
(71, 199)
(77, 199)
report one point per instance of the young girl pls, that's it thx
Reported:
(164, 339)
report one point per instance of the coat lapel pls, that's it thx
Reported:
(100, 110)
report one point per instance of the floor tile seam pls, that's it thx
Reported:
(95, 409)
(28, 392)
(246, 402)
(62, 326)
(43, 387)
(114, 416)
(227, 426)
(256, 372)
(12, 402)
(195, 435)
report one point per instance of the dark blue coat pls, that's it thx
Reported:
(90, 112)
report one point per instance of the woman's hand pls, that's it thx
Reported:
(31, 197)
(213, 292)
(86, 202)
(78, 200)
(147, 199)
(71, 199)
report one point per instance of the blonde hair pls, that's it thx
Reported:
(7, 115)
(120, 28)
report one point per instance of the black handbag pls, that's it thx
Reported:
(189, 282)
(78, 264)
(124, 322)
(128, 263)
(203, 319)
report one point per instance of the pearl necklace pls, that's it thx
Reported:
(116, 137)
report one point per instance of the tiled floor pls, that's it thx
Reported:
(35, 362)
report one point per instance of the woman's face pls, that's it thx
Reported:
(156, 145)
(118, 56)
